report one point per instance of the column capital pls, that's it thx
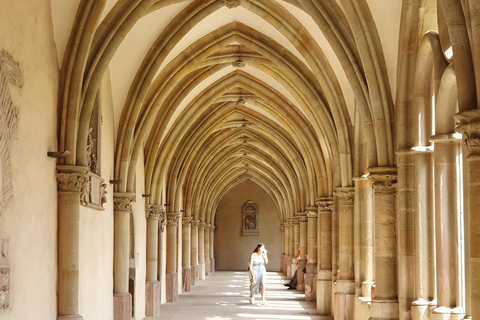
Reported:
(154, 211)
(195, 223)
(295, 220)
(202, 225)
(384, 179)
(186, 221)
(302, 216)
(312, 214)
(325, 203)
(345, 195)
(468, 123)
(172, 218)
(122, 201)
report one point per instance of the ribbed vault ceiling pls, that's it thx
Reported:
(211, 93)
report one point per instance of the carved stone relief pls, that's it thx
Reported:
(250, 219)
(9, 73)
(4, 276)
(231, 3)
(91, 187)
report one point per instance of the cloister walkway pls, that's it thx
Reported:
(223, 295)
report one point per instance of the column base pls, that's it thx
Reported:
(171, 284)
(344, 298)
(282, 257)
(422, 309)
(301, 275)
(384, 309)
(310, 282)
(324, 292)
(122, 306)
(186, 280)
(152, 298)
(69, 317)
(444, 313)
(194, 274)
(367, 289)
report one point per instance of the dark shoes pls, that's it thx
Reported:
(286, 284)
(289, 286)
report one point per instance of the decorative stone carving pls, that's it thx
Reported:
(468, 123)
(4, 276)
(154, 212)
(385, 181)
(123, 201)
(172, 218)
(250, 219)
(325, 204)
(302, 217)
(186, 221)
(230, 4)
(92, 188)
(312, 214)
(9, 73)
(345, 195)
(195, 223)
(238, 63)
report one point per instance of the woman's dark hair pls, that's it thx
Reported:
(258, 247)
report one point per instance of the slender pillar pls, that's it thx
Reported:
(186, 253)
(469, 125)
(310, 281)
(364, 253)
(282, 254)
(295, 245)
(201, 250)
(425, 285)
(302, 220)
(172, 275)
(288, 257)
(69, 182)
(194, 252)
(448, 228)
(291, 246)
(385, 303)
(212, 248)
(152, 285)
(345, 284)
(324, 276)
(207, 249)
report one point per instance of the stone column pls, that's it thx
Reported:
(295, 244)
(310, 281)
(345, 284)
(448, 229)
(194, 252)
(291, 249)
(212, 249)
(282, 254)
(172, 275)
(468, 123)
(152, 286)
(186, 253)
(424, 234)
(385, 303)
(364, 240)
(201, 250)
(288, 257)
(324, 274)
(302, 219)
(207, 249)
(70, 182)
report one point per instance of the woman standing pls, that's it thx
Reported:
(258, 273)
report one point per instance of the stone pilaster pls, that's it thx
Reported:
(212, 248)
(385, 303)
(468, 123)
(364, 239)
(291, 249)
(207, 249)
(71, 183)
(186, 253)
(424, 233)
(152, 286)
(287, 257)
(302, 221)
(448, 230)
(344, 299)
(172, 275)
(194, 252)
(282, 254)
(324, 273)
(295, 245)
(122, 299)
(310, 281)
(201, 250)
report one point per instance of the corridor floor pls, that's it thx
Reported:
(224, 296)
